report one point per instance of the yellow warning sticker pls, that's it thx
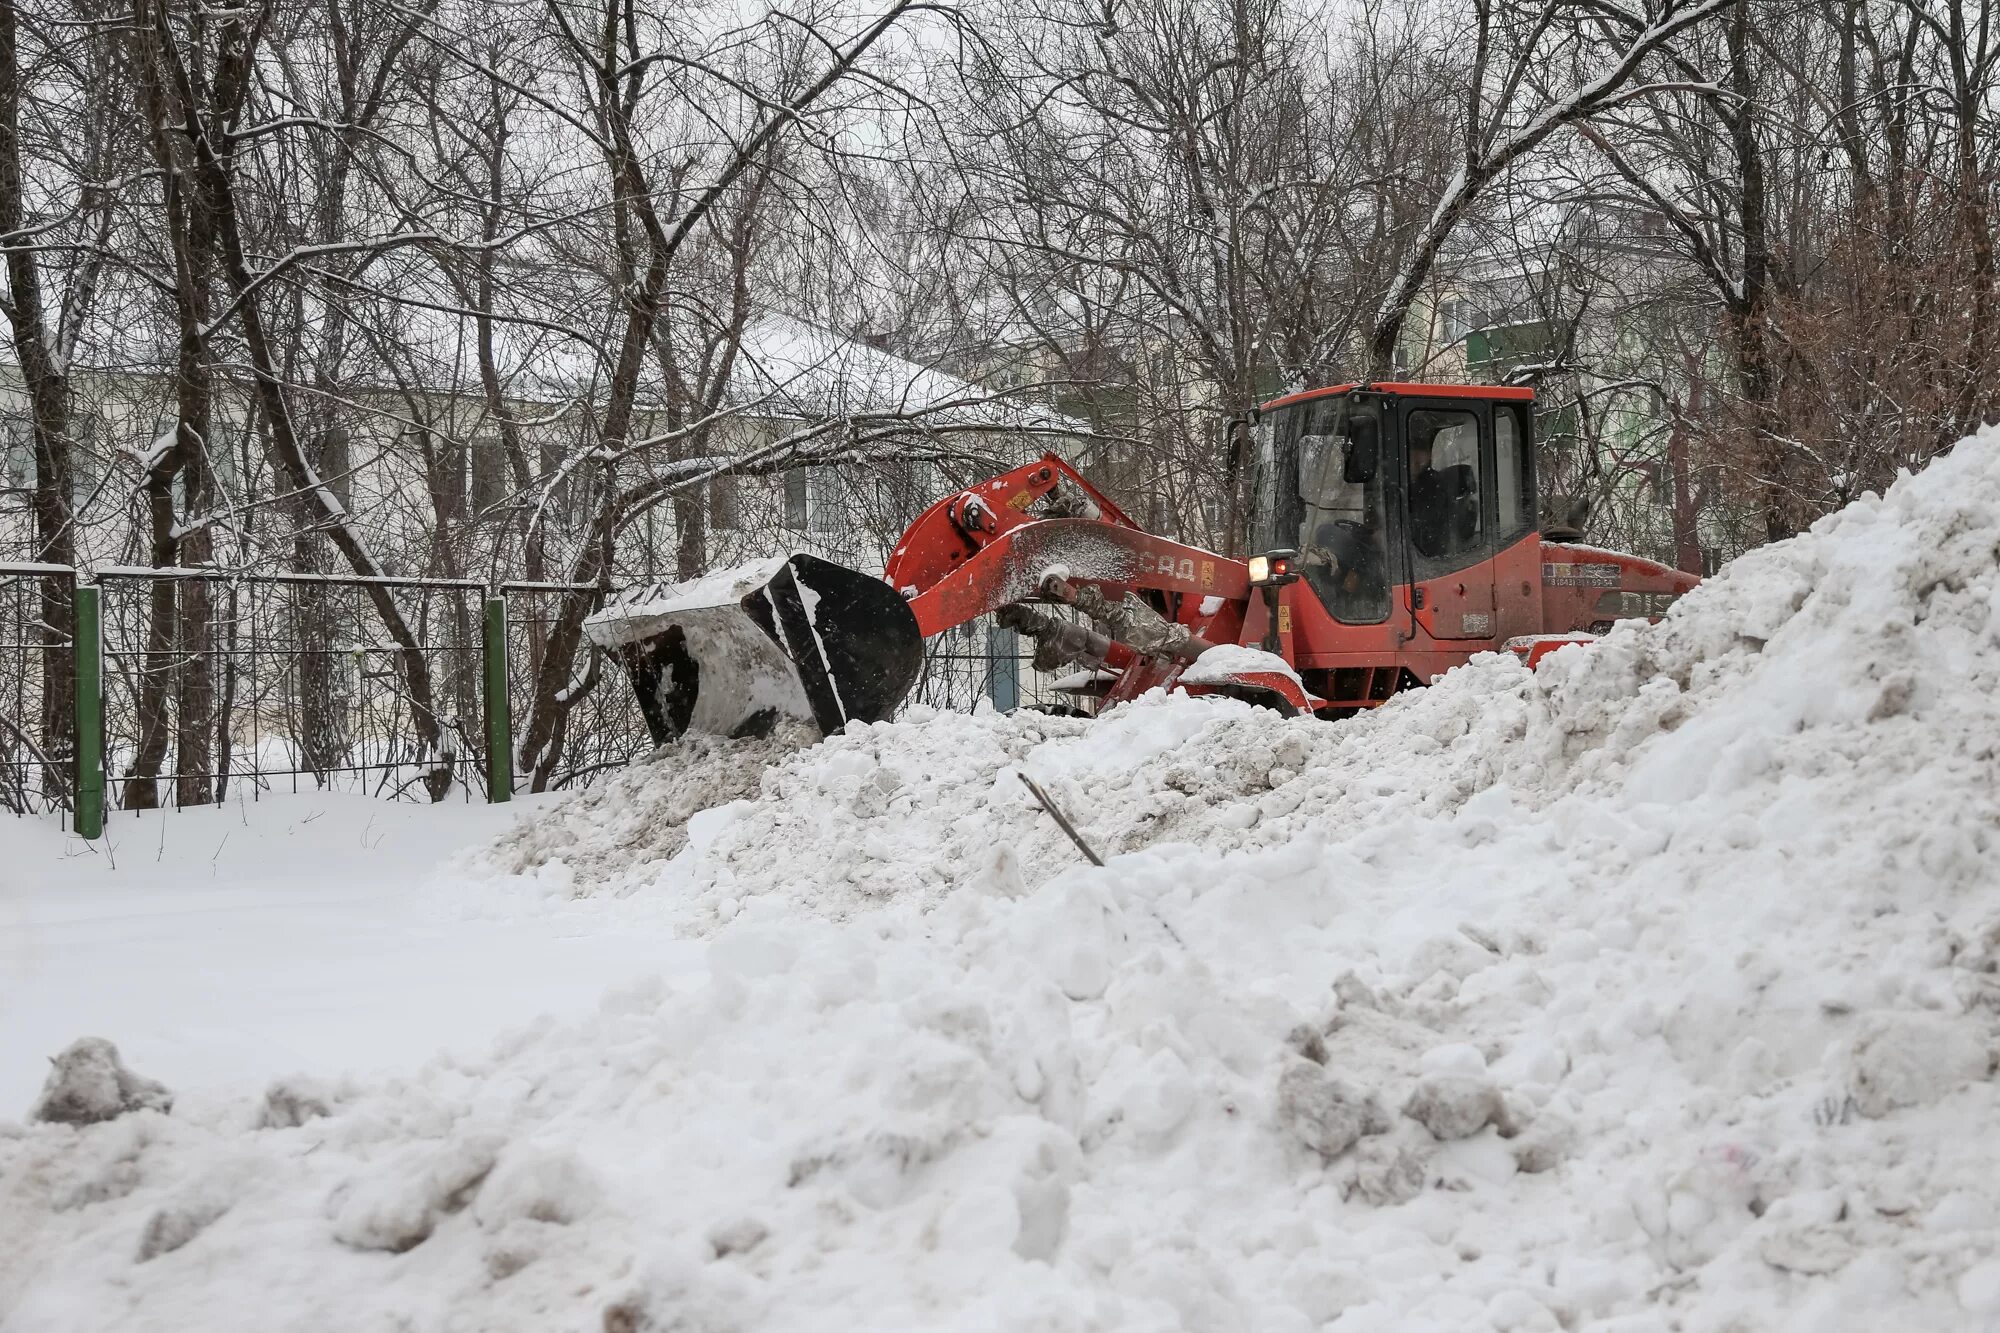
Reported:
(1208, 573)
(1020, 499)
(1284, 620)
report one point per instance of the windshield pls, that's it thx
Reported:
(1320, 488)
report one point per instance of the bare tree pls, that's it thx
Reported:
(57, 232)
(1185, 206)
(1515, 99)
(657, 206)
(1843, 231)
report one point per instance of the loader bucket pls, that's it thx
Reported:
(735, 652)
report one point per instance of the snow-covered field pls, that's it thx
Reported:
(224, 947)
(1654, 991)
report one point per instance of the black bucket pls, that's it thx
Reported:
(734, 653)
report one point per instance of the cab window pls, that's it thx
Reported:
(1446, 526)
(1513, 482)
(1339, 495)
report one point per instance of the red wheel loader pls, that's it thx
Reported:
(1397, 536)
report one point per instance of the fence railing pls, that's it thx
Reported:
(191, 687)
(980, 660)
(194, 687)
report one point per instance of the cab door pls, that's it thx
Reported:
(1448, 515)
(1517, 550)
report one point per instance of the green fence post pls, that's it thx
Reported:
(499, 717)
(89, 712)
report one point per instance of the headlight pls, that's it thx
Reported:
(1272, 567)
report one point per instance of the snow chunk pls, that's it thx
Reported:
(541, 1185)
(1453, 1104)
(1324, 1113)
(738, 1237)
(1902, 1060)
(187, 1216)
(395, 1207)
(1226, 661)
(291, 1102)
(90, 1084)
(1979, 1288)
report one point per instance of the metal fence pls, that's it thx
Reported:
(36, 761)
(604, 727)
(279, 681)
(981, 661)
(213, 687)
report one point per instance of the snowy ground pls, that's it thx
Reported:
(223, 948)
(1656, 990)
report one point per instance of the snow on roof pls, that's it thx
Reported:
(800, 369)
(786, 367)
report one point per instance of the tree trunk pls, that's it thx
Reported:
(205, 122)
(432, 752)
(322, 671)
(177, 665)
(194, 706)
(1750, 312)
(1686, 502)
(1976, 234)
(46, 379)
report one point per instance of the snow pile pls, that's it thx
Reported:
(1656, 990)
(639, 816)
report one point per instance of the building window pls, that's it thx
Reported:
(902, 490)
(488, 468)
(795, 498)
(334, 464)
(813, 499)
(17, 435)
(86, 434)
(1215, 518)
(223, 444)
(823, 513)
(1456, 318)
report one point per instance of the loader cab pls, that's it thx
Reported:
(1412, 508)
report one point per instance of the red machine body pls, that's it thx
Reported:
(1042, 532)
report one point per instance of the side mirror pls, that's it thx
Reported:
(1364, 450)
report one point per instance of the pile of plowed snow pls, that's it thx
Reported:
(1656, 990)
